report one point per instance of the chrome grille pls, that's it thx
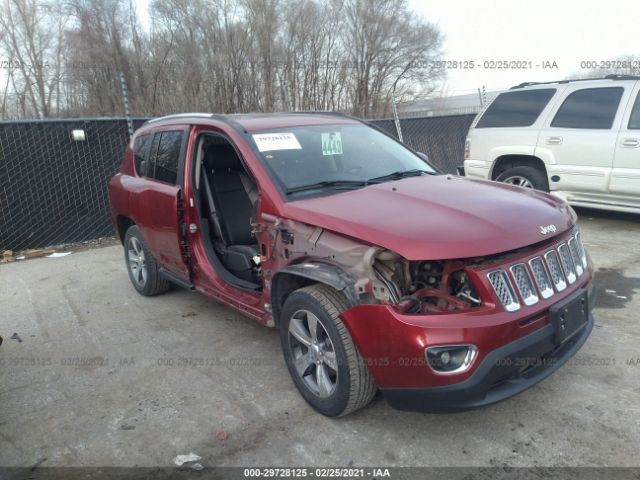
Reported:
(541, 277)
(575, 255)
(502, 287)
(567, 263)
(557, 277)
(524, 284)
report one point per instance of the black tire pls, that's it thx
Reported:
(354, 387)
(152, 283)
(536, 177)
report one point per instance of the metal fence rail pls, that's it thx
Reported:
(53, 189)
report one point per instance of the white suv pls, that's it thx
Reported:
(578, 139)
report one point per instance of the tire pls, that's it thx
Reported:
(346, 384)
(534, 177)
(141, 266)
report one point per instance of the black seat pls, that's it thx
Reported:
(230, 191)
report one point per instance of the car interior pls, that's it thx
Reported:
(227, 202)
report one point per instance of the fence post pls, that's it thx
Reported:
(395, 116)
(125, 101)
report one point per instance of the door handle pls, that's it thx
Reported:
(554, 140)
(631, 142)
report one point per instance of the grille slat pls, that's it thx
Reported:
(524, 284)
(555, 270)
(581, 250)
(503, 289)
(575, 255)
(567, 263)
(541, 277)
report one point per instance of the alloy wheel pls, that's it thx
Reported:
(518, 181)
(314, 356)
(137, 262)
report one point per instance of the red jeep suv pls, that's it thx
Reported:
(380, 273)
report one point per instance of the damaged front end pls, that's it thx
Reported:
(422, 287)
(365, 274)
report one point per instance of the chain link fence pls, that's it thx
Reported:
(53, 189)
(441, 138)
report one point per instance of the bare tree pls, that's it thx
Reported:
(32, 41)
(215, 55)
(390, 49)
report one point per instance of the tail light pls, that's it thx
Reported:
(467, 149)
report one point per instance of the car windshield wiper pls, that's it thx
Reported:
(329, 184)
(398, 175)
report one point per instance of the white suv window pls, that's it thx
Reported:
(593, 108)
(634, 121)
(516, 109)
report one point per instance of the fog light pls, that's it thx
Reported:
(450, 359)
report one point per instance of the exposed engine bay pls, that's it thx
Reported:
(427, 286)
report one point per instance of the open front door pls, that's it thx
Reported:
(160, 203)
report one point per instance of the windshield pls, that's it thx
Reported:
(335, 156)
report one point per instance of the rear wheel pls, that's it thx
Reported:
(525, 176)
(321, 357)
(142, 267)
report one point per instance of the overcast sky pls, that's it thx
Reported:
(566, 32)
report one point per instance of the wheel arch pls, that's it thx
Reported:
(504, 162)
(300, 275)
(123, 223)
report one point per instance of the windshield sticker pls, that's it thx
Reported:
(267, 142)
(332, 143)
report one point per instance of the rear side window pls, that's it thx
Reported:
(589, 108)
(634, 121)
(516, 109)
(141, 147)
(165, 165)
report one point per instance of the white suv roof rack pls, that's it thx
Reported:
(607, 77)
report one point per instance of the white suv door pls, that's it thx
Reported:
(578, 142)
(625, 176)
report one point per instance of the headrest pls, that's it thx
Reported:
(221, 157)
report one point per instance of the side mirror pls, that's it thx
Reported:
(423, 156)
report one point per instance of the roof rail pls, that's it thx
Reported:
(606, 77)
(318, 112)
(619, 76)
(177, 116)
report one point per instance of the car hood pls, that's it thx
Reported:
(439, 217)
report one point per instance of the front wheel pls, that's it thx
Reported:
(142, 267)
(525, 176)
(321, 357)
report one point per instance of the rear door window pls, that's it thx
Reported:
(165, 164)
(141, 147)
(516, 109)
(634, 121)
(593, 108)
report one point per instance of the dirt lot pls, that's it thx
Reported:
(105, 377)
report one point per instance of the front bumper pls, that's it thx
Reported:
(504, 372)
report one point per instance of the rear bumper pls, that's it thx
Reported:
(504, 372)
